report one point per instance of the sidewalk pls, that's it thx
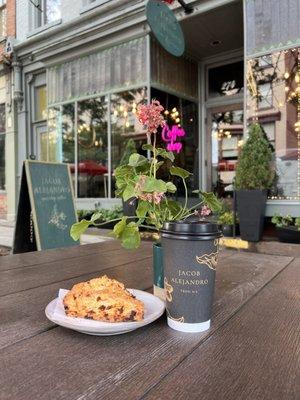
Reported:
(92, 235)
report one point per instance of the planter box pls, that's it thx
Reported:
(288, 234)
(228, 230)
(251, 206)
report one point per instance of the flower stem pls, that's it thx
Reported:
(183, 211)
(113, 220)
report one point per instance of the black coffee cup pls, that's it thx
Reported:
(190, 257)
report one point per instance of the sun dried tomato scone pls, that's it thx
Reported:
(103, 299)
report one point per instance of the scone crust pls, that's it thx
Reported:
(103, 299)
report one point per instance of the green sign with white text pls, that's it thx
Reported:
(46, 208)
(165, 27)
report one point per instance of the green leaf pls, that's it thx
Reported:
(158, 165)
(142, 208)
(124, 172)
(211, 201)
(97, 215)
(171, 187)
(170, 209)
(128, 192)
(147, 147)
(154, 185)
(166, 154)
(136, 160)
(119, 227)
(78, 229)
(131, 238)
(177, 171)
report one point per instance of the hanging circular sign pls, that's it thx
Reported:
(165, 27)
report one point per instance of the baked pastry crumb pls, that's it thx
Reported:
(103, 299)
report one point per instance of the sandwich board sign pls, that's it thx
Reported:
(46, 209)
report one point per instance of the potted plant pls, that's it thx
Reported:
(189, 242)
(254, 176)
(226, 220)
(129, 206)
(287, 227)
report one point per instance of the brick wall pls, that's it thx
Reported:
(11, 18)
(10, 23)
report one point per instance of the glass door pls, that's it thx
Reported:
(224, 140)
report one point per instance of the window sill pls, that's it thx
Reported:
(93, 5)
(43, 28)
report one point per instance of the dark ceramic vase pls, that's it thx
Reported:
(129, 207)
(190, 258)
(251, 206)
(227, 230)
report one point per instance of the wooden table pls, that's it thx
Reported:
(251, 351)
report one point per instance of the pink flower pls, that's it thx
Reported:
(140, 183)
(150, 116)
(155, 198)
(205, 211)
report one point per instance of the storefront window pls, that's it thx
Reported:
(59, 144)
(226, 130)
(186, 115)
(124, 124)
(92, 136)
(40, 103)
(276, 86)
(226, 80)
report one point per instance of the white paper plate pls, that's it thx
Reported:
(154, 308)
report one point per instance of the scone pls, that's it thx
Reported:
(103, 299)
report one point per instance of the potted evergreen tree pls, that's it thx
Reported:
(254, 176)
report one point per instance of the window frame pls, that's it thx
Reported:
(88, 5)
(38, 18)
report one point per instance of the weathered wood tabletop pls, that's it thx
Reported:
(251, 351)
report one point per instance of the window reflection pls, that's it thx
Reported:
(92, 148)
(59, 145)
(273, 97)
(187, 117)
(124, 125)
(226, 141)
(40, 109)
(226, 80)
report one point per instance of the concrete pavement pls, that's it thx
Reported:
(92, 235)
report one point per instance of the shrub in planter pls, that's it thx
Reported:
(288, 228)
(254, 176)
(106, 217)
(226, 220)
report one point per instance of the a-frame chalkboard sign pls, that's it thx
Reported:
(46, 209)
